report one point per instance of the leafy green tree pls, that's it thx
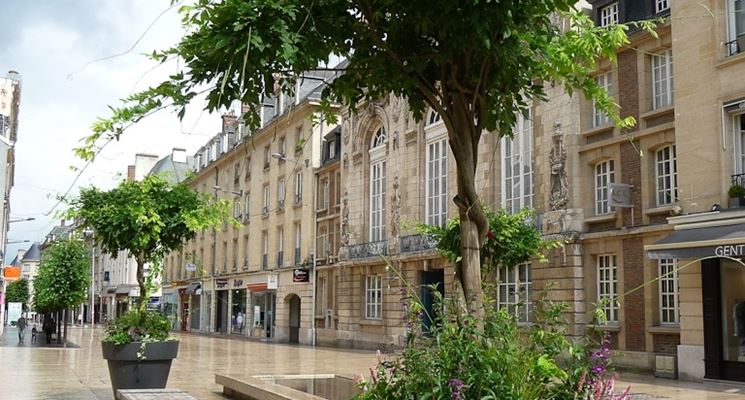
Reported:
(477, 63)
(147, 219)
(17, 292)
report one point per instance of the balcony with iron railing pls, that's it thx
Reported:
(735, 46)
(418, 242)
(369, 249)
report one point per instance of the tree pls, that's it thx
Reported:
(17, 292)
(63, 279)
(477, 63)
(147, 219)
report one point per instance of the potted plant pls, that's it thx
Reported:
(736, 196)
(146, 219)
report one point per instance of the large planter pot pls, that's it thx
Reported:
(127, 371)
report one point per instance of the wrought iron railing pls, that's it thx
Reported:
(369, 249)
(735, 46)
(738, 179)
(419, 242)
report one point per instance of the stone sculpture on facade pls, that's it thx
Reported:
(395, 214)
(557, 160)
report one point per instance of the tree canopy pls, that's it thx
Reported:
(477, 63)
(146, 219)
(64, 278)
(17, 292)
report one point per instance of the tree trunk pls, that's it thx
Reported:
(141, 283)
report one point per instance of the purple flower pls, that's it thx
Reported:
(456, 385)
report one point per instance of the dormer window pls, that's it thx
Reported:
(609, 15)
(332, 149)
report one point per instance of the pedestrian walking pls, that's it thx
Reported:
(34, 331)
(21, 325)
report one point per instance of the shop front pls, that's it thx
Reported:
(193, 306)
(238, 304)
(710, 251)
(263, 306)
(222, 295)
(170, 306)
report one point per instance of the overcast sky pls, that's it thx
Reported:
(51, 43)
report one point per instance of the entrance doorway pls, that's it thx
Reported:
(294, 302)
(221, 318)
(262, 313)
(432, 281)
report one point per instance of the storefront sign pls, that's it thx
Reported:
(272, 282)
(237, 283)
(300, 275)
(734, 250)
(191, 267)
(221, 283)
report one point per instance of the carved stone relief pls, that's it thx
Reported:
(397, 104)
(395, 214)
(344, 239)
(559, 198)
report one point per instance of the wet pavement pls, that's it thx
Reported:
(31, 372)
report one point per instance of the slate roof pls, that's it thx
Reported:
(173, 171)
(33, 253)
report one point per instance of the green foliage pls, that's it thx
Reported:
(138, 325)
(504, 360)
(17, 292)
(64, 278)
(511, 239)
(736, 191)
(434, 53)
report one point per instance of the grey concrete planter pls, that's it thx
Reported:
(129, 372)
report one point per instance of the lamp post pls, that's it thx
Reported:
(88, 233)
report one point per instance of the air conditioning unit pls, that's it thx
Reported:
(329, 322)
(666, 366)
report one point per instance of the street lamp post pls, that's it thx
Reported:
(89, 233)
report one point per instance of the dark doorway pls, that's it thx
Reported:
(294, 319)
(221, 318)
(432, 281)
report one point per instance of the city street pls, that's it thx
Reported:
(81, 373)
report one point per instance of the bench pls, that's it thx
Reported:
(153, 394)
(248, 388)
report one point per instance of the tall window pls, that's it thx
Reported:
(267, 156)
(517, 166)
(736, 26)
(377, 186)
(224, 256)
(738, 127)
(609, 15)
(324, 203)
(246, 206)
(265, 208)
(667, 176)
(282, 146)
(235, 254)
(298, 187)
(661, 5)
(437, 182)
(604, 176)
(608, 286)
(298, 240)
(514, 294)
(246, 250)
(374, 297)
(599, 118)
(669, 309)
(264, 250)
(248, 168)
(280, 247)
(662, 79)
(281, 193)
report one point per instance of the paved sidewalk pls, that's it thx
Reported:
(81, 373)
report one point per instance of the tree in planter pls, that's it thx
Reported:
(63, 279)
(17, 292)
(477, 63)
(147, 219)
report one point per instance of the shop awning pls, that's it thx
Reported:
(728, 240)
(111, 290)
(124, 289)
(193, 287)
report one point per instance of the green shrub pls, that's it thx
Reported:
(736, 191)
(138, 325)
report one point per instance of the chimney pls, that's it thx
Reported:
(130, 173)
(178, 155)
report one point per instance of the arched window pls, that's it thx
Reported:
(434, 117)
(377, 186)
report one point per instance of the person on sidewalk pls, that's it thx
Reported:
(21, 325)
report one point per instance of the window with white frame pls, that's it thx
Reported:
(246, 205)
(280, 247)
(609, 14)
(298, 187)
(737, 122)
(332, 149)
(517, 166)
(667, 175)
(661, 5)
(264, 250)
(374, 297)
(298, 242)
(600, 118)
(608, 286)
(437, 182)
(604, 176)
(267, 156)
(377, 186)
(668, 283)
(325, 194)
(265, 208)
(248, 168)
(736, 26)
(515, 290)
(434, 118)
(282, 146)
(281, 193)
(662, 79)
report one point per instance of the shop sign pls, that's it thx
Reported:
(272, 282)
(237, 283)
(191, 267)
(300, 275)
(734, 250)
(221, 283)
